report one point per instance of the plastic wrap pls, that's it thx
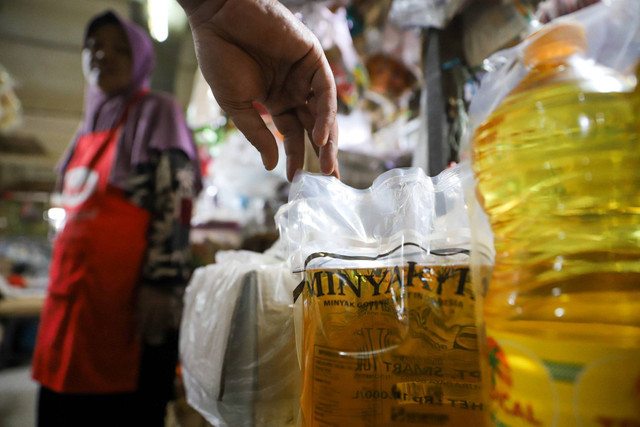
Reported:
(237, 344)
(613, 40)
(385, 315)
(239, 187)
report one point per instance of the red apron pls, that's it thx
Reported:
(87, 340)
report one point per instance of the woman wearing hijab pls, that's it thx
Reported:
(106, 351)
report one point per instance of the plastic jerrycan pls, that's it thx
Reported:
(557, 167)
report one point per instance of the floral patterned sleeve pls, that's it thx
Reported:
(166, 188)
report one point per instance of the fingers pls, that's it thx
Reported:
(249, 122)
(324, 90)
(306, 117)
(292, 132)
(329, 153)
(292, 126)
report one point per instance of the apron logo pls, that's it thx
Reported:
(79, 184)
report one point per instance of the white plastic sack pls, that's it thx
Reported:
(237, 345)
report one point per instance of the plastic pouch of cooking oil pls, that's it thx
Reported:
(384, 310)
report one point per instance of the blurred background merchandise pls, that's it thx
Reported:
(384, 64)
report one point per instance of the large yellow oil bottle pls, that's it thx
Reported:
(557, 166)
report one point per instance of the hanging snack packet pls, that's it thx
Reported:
(384, 312)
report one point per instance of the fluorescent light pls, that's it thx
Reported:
(158, 19)
(56, 217)
(56, 214)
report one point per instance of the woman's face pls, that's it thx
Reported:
(106, 58)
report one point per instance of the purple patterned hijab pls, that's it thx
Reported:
(155, 122)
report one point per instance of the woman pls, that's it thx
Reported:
(107, 345)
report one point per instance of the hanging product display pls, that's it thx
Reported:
(385, 310)
(556, 168)
(332, 30)
(424, 13)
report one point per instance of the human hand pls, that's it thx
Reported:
(256, 50)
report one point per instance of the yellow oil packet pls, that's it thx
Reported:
(390, 346)
(385, 311)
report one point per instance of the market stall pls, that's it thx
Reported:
(404, 313)
(475, 265)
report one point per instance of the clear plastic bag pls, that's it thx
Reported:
(385, 314)
(237, 344)
(613, 40)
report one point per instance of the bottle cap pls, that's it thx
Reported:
(555, 41)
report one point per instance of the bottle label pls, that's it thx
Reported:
(564, 383)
